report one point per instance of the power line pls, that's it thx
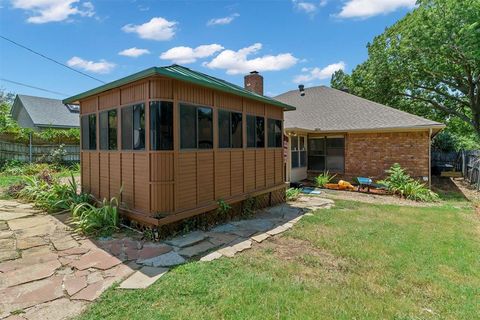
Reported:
(48, 58)
(33, 87)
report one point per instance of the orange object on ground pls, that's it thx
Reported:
(345, 185)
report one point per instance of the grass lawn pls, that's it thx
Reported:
(356, 261)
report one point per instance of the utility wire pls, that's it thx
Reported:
(33, 87)
(48, 58)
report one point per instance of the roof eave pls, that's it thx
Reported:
(160, 71)
(437, 127)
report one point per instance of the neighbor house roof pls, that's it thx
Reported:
(185, 74)
(330, 110)
(46, 112)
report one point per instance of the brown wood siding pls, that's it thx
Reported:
(134, 93)
(236, 179)
(127, 179)
(104, 176)
(109, 100)
(222, 174)
(115, 177)
(161, 89)
(94, 174)
(162, 183)
(259, 169)
(162, 167)
(141, 182)
(187, 180)
(194, 94)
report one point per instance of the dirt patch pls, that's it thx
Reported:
(302, 252)
(371, 198)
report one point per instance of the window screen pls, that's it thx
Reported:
(326, 154)
(251, 131)
(229, 129)
(237, 132)
(196, 127)
(133, 127)
(161, 125)
(127, 128)
(89, 132)
(260, 130)
(274, 133)
(108, 130)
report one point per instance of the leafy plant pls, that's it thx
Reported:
(322, 179)
(292, 194)
(92, 220)
(400, 183)
(223, 207)
(249, 206)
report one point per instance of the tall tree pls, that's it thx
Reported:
(429, 62)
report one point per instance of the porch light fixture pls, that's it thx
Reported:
(301, 88)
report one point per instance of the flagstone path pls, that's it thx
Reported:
(49, 272)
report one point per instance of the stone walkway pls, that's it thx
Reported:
(49, 272)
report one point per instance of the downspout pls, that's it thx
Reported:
(430, 159)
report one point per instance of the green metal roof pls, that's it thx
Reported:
(183, 74)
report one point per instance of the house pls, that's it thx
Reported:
(42, 113)
(353, 137)
(179, 141)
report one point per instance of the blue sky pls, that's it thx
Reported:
(289, 42)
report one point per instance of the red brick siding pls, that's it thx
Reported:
(370, 154)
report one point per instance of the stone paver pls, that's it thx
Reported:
(143, 278)
(49, 272)
(165, 260)
(187, 240)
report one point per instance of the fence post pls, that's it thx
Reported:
(30, 147)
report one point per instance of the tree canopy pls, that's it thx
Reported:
(427, 63)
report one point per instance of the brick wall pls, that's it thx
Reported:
(370, 154)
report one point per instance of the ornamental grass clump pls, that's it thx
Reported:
(401, 184)
(322, 179)
(292, 194)
(99, 221)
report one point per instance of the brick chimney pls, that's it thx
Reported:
(254, 82)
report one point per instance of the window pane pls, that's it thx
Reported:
(139, 127)
(335, 143)
(302, 143)
(278, 133)
(260, 129)
(294, 144)
(188, 127)
(316, 146)
(295, 163)
(161, 125)
(92, 131)
(85, 127)
(223, 129)
(127, 128)
(104, 130)
(237, 130)
(251, 131)
(271, 133)
(303, 158)
(112, 129)
(205, 128)
(316, 163)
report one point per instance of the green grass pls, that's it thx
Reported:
(356, 261)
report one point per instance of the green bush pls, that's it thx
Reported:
(92, 220)
(400, 183)
(223, 207)
(292, 194)
(322, 179)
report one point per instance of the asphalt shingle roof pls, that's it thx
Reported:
(185, 74)
(49, 112)
(327, 109)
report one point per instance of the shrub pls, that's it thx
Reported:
(400, 183)
(292, 194)
(92, 220)
(322, 179)
(223, 207)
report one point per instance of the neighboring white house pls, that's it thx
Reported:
(41, 113)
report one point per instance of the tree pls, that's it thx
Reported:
(427, 63)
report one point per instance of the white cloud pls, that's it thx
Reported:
(308, 7)
(319, 74)
(101, 66)
(222, 21)
(44, 11)
(157, 28)
(133, 52)
(185, 55)
(369, 8)
(236, 62)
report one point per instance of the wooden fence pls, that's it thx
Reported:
(471, 167)
(29, 152)
(466, 162)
